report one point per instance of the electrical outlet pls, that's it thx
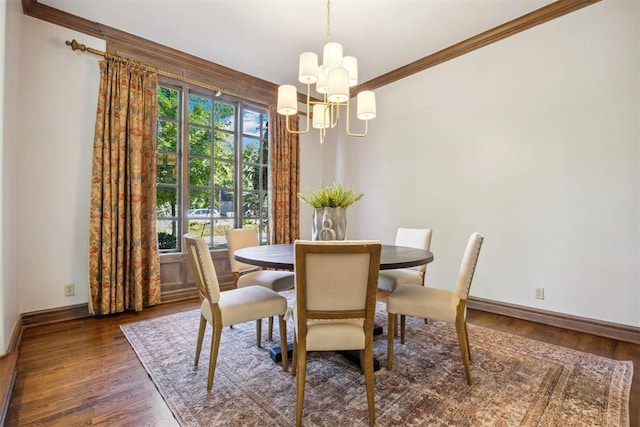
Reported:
(539, 293)
(69, 290)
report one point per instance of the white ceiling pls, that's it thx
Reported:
(264, 38)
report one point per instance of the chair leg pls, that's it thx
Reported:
(392, 323)
(464, 343)
(426, 321)
(259, 332)
(213, 357)
(294, 356)
(201, 329)
(403, 319)
(368, 378)
(270, 328)
(466, 334)
(301, 356)
(283, 343)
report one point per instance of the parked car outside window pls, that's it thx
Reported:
(203, 212)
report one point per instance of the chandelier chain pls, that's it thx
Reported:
(328, 21)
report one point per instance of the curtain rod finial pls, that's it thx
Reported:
(75, 45)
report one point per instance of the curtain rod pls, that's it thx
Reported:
(218, 90)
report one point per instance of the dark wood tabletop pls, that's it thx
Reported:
(281, 256)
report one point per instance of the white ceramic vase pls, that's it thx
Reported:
(329, 224)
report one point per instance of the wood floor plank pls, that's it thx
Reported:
(84, 372)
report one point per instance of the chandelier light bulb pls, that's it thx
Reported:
(321, 116)
(350, 63)
(287, 100)
(338, 85)
(308, 68)
(366, 105)
(322, 85)
(331, 56)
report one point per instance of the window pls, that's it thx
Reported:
(212, 156)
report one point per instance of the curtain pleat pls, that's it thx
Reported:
(285, 180)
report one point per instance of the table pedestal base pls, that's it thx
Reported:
(276, 353)
(353, 356)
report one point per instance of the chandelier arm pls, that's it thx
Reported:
(366, 130)
(335, 114)
(347, 127)
(295, 131)
(306, 130)
(308, 111)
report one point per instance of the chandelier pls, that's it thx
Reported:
(332, 78)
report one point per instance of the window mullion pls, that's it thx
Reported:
(239, 165)
(184, 155)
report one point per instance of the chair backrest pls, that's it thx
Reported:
(419, 238)
(468, 265)
(238, 238)
(337, 279)
(202, 267)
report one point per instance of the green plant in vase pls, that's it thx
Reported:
(329, 213)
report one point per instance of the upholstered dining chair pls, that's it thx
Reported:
(335, 306)
(249, 275)
(439, 304)
(229, 307)
(419, 238)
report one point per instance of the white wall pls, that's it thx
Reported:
(311, 164)
(3, 282)
(58, 89)
(532, 141)
(9, 138)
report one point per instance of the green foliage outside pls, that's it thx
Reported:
(166, 241)
(333, 196)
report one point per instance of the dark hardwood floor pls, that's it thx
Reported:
(84, 372)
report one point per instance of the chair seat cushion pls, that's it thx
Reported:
(422, 301)
(245, 304)
(273, 279)
(388, 280)
(330, 335)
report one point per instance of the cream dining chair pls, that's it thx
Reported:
(439, 304)
(335, 306)
(414, 238)
(249, 275)
(229, 307)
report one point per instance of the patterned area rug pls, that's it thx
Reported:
(517, 381)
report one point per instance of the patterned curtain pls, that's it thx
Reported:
(124, 267)
(285, 179)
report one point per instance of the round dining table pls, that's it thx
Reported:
(281, 256)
